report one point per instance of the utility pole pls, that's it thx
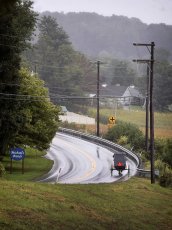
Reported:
(98, 94)
(150, 90)
(98, 97)
(147, 109)
(152, 115)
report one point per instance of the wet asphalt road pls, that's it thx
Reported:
(79, 161)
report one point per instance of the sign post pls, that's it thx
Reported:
(17, 154)
(112, 121)
(11, 166)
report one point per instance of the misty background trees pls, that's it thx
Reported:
(65, 71)
(109, 39)
(94, 34)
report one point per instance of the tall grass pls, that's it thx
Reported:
(163, 121)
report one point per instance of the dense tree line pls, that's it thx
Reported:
(15, 30)
(65, 71)
(25, 107)
(68, 72)
(111, 37)
(95, 34)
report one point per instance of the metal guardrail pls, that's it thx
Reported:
(104, 142)
(147, 173)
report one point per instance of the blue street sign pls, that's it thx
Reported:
(17, 154)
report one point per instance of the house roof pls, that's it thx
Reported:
(134, 92)
(114, 90)
(118, 91)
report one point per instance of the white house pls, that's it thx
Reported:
(124, 95)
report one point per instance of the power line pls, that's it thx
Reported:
(65, 96)
(9, 45)
(7, 35)
(50, 87)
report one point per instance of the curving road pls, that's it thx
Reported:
(79, 161)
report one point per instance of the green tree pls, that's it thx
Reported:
(163, 86)
(131, 132)
(123, 74)
(162, 97)
(163, 148)
(17, 20)
(5, 6)
(52, 52)
(37, 115)
(65, 71)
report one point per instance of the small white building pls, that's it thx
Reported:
(125, 95)
(132, 96)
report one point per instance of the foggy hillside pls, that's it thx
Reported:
(97, 35)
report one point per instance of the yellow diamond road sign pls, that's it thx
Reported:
(112, 120)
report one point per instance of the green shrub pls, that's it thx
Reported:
(166, 180)
(123, 140)
(167, 153)
(131, 131)
(2, 170)
(163, 148)
(161, 166)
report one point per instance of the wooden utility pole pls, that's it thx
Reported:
(147, 109)
(98, 97)
(152, 115)
(98, 94)
(151, 107)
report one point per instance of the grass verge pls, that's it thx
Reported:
(163, 121)
(35, 165)
(135, 204)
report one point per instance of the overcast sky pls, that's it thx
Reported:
(148, 11)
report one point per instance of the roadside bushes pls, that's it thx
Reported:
(126, 133)
(166, 179)
(163, 156)
(2, 170)
(163, 150)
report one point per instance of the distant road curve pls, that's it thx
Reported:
(79, 161)
(71, 117)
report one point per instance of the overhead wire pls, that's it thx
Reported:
(46, 85)
(24, 96)
(7, 35)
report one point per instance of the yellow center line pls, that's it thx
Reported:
(86, 154)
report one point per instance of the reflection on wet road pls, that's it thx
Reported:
(79, 161)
